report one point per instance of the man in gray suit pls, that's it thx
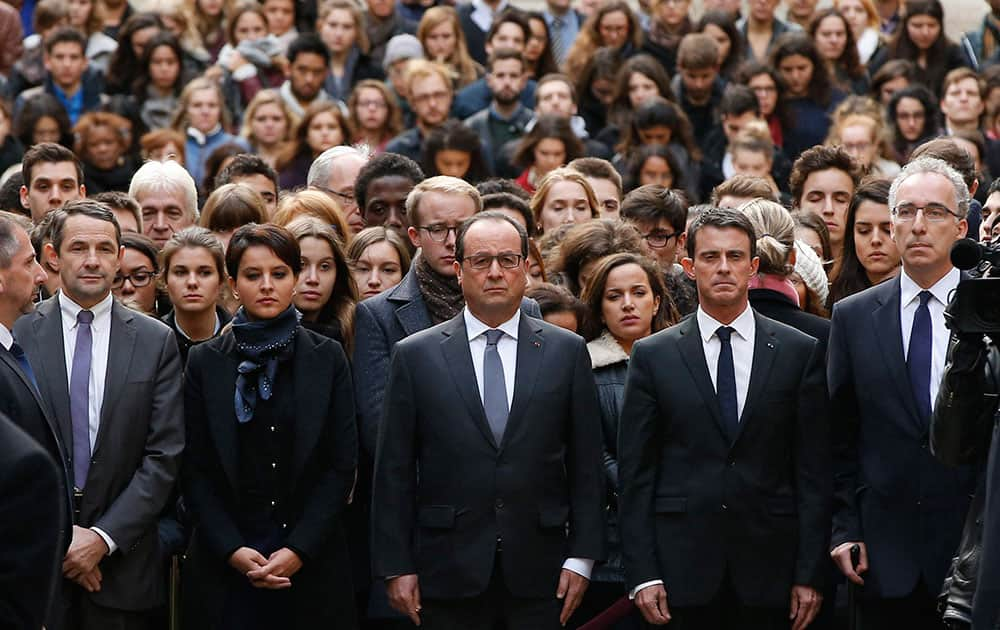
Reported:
(112, 378)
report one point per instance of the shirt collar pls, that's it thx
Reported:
(6, 339)
(909, 290)
(743, 324)
(495, 114)
(71, 309)
(474, 327)
(481, 6)
(201, 137)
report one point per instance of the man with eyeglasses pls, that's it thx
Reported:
(428, 85)
(660, 215)
(498, 413)
(900, 506)
(335, 172)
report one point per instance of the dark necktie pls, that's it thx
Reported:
(918, 356)
(725, 383)
(558, 43)
(79, 397)
(22, 360)
(494, 386)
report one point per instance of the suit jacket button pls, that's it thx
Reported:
(498, 504)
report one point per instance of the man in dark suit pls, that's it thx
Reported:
(498, 412)
(903, 508)
(31, 500)
(112, 380)
(724, 476)
(20, 277)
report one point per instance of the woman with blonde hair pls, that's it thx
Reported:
(267, 125)
(564, 196)
(772, 292)
(379, 258)
(863, 135)
(440, 33)
(325, 293)
(208, 20)
(341, 26)
(312, 203)
(613, 25)
(203, 118)
(375, 115)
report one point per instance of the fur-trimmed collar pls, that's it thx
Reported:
(605, 351)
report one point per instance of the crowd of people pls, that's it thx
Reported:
(379, 314)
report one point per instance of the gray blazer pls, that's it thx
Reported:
(139, 443)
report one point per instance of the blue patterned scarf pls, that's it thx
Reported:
(261, 344)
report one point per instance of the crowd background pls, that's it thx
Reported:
(603, 130)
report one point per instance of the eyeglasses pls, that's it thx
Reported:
(347, 198)
(933, 212)
(138, 279)
(658, 239)
(439, 233)
(433, 96)
(765, 89)
(485, 261)
(374, 104)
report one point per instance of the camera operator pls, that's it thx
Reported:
(962, 429)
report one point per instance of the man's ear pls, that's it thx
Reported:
(24, 198)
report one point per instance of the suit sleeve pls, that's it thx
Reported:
(139, 505)
(813, 473)
(639, 437)
(585, 464)
(31, 500)
(845, 424)
(395, 482)
(202, 467)
(339, 442)
(371, 366)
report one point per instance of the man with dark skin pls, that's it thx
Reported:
(381, 190)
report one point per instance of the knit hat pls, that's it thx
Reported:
(810, 269)
(402, 47)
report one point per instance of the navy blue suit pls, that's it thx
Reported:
(890, 491)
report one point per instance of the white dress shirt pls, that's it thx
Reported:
(742, 342)
(909, 300)
(6, 338)
(507, 349)
(100, 330)
(482, 14)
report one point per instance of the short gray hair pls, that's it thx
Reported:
(322, 167)
(445, 185)
(167, 176)
(932, 165)
(8, 238)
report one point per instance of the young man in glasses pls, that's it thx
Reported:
(900, 506)
(660, 214)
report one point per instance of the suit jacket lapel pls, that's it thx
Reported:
(765, 347)
(311, 403)
(411, 312)
(120, 350)
(458, 358)
(693, 354)
(220, 404)
(50, 369)
(530, 353)
(888, 332)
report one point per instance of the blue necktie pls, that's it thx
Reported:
(22, 361)
(725, 383)
(918, 356)
(494, 386)
(557, 41)
(79, 398)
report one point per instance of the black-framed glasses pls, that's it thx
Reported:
(659, 239)
(933, 212)
(439, 233)
(345, 198)
(137, 278)
(485, 261)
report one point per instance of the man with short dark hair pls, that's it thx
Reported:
(697, 84)
(465, 401)
(53, 175)
(112, 377)
(724, 468)
(126, 210)
(66, 75)
(254, 172)
(381, 189)
(506, 117)
(823, 181)
(308, 63)
(511, 30)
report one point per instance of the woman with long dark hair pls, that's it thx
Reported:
(721, 26)
(921, 38)
(809, 93)
(550, 144)
(595, 87)
(124, 65)
(538, 56)
(157, 89)
(870, 255)
(668, 24)
(43, 119)
(271, 456)
(640, 79)
(456, 150)
(613, 25)
(835, 44)
(914, 118)
(769, 88)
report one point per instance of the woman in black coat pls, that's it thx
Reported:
(271, 455)
(626, 301)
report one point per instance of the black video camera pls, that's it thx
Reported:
(975, 307)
